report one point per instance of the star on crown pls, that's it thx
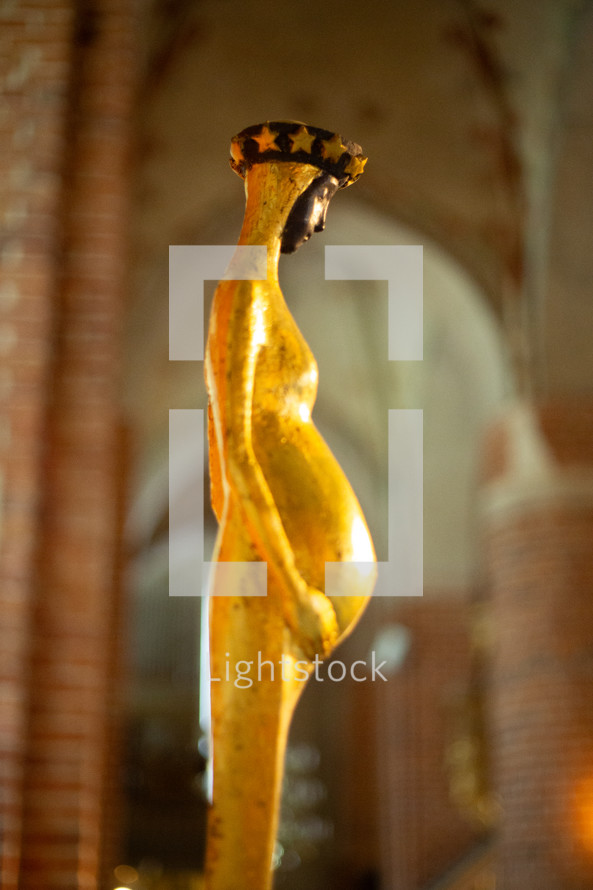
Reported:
(266, 140)
(302, 140)
(291, 140)
(355, 166)
(333, 149)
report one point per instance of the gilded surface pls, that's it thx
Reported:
(279, 496)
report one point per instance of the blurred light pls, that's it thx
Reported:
(392, 645)
(126, 874)
(277, 855)
(302, 758)
(204, 697)
(584, 803)
(290, 860)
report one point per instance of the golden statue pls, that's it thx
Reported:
(279, 496)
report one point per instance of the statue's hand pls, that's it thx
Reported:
(313, 623)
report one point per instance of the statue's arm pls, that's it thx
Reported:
(308, 612)
(216, 484)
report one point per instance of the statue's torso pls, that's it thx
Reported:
(314, 499)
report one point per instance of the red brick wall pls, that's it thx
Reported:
(540, 553)
(68, 75)
(423, 833)
(35, 53)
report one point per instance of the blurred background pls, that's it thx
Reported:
(471, 767)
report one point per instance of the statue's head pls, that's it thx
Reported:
(309, 212)
(339, 162)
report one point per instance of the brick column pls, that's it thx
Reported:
(35, 64)
(65, 126)
(422, 831)
(73, 623)
(538, 501)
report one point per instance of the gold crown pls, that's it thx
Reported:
(294, 141)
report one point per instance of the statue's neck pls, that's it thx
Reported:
(272, 189)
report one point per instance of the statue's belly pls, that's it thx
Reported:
(319, 511)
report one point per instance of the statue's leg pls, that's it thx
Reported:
(250, 723)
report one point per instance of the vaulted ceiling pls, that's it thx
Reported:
(476, 119)
(477, 122)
